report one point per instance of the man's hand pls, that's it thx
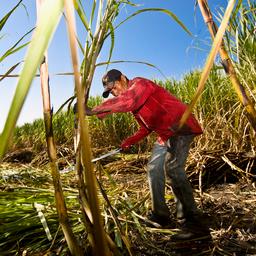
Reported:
(125, 146)
(88, 110)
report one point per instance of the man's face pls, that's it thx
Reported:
(119, 87)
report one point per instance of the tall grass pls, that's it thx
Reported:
(32, 135)
(224, 55)
(218, 107)
(221, 115)
(241, 42)
(219, 112)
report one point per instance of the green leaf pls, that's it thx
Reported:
(93, 12)
(9, 71)
(80, 45)
(112, 33)
(169, 13)
(81, 14)
(69, 100)
(132, 61)
(6, 17)
(13, 49)
(34, 56)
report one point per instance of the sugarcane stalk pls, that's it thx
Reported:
(209, 63)
(94, 50)
(87, 215)
(228, 66)
(100, 246)
(118, 225)
(51, 148)
(85, 208)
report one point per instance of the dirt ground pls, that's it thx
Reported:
(232, 211)
(231, 208)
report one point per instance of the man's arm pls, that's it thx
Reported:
(89, 111)
(129, 101)
(139, 135)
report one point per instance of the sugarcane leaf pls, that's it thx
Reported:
(34, 56)
(112, 33)
(69, 100)
(14, 49)
(236, 10)
(82, 16)
(6, 17)
(78, 41)
(129, 3)
(131, 61)
(99, 16)
(209, 62)
(165, 11)
(9, 71)
(92, 12)
(87, 44)
(11, 51)
(80, 45)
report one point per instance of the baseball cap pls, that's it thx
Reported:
(108, 81)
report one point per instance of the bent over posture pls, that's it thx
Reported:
(155, 109)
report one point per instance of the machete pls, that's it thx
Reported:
(72, 167)
(113, 152)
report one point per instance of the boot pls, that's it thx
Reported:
(158, 221)
(194, 227)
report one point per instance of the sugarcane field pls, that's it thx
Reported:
(107, 155)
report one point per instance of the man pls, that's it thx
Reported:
(156, 110)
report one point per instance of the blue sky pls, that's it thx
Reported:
(150, 37)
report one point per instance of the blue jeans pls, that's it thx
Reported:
(169, 160)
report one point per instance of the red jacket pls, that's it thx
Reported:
(154, 108)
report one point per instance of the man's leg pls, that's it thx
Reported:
(156, 178)
(175, 160)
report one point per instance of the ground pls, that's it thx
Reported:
(230, 206)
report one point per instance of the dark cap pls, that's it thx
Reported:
(108, 81)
